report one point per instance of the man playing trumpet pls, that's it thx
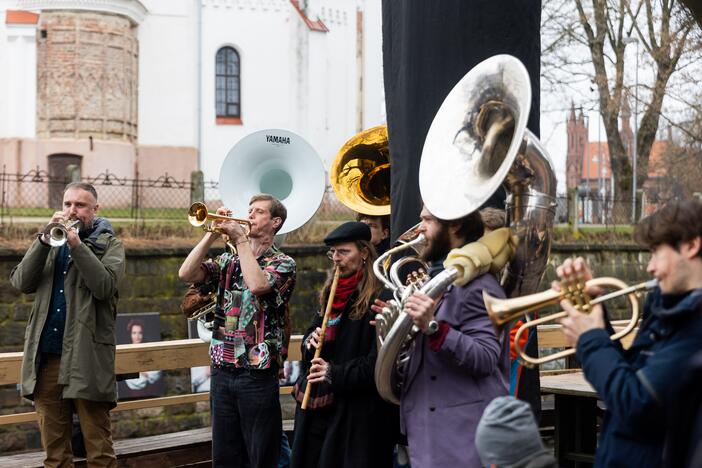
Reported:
(346, 423)
(69, 353)
(638, 384)
(254, 287)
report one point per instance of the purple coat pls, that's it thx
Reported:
(446, 392)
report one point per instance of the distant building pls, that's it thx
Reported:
(141, 89)
(588, 167)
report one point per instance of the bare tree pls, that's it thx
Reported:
(678, 174)
(584, 43)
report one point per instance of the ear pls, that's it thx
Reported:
(691, 248)
(97, 207)
(277, 222)
(386, 233)
(454, 227)
(365, 253)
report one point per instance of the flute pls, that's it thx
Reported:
(318, 351)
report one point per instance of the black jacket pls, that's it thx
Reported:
(683, 443)
(361, 428)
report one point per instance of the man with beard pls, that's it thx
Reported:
(69, 348)
(346, 423)
(457, 365)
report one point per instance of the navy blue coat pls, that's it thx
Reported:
(638, 384)
(683, 444)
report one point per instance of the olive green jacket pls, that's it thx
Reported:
(90, 287)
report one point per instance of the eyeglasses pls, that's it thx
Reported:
(342, 253)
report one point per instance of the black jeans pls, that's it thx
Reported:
(246, 418)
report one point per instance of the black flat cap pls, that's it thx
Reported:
(350, 231)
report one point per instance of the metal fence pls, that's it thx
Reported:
(35, 194)
(608, 211)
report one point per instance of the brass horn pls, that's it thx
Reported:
(360, 173)
(198, 216)
(504, 311)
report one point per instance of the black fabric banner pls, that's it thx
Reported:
(428, 45)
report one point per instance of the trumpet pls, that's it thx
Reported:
(199, 216)
(58, 232)
(503, 311)
(204, 326)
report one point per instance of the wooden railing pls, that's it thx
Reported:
(179, 354)
(133, 358)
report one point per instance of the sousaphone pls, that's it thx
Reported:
(277, 162)
(477, 142)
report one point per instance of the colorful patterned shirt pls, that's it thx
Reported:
(253, 332)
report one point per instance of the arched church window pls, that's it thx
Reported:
(227, 83)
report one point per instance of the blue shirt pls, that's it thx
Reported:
(51, 341)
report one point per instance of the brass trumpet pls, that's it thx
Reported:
(199, 216)
(503, 311)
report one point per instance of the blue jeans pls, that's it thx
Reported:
(284, 460)
(246, 418)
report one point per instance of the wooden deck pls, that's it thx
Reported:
(187, 448)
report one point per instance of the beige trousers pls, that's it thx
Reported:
(56, 418)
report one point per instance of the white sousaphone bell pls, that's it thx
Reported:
(277, 162)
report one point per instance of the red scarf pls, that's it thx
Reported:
(344, 289)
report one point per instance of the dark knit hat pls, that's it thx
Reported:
(350, 231)
(507, 434)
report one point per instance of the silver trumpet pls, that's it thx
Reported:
(57, 233)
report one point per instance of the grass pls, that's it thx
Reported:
(161, 233)
(619, 233)
(169, 227)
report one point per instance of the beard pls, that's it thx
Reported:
(437, 247)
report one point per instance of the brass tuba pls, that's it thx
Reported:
(477, 142)
(360, 173)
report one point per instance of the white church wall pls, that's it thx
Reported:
(333, 83)
(18, 80)
(259, 32)
(168, 73)
(373, 90)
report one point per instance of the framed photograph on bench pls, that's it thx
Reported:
(199, 376)
(134, 329)
(291, 371)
